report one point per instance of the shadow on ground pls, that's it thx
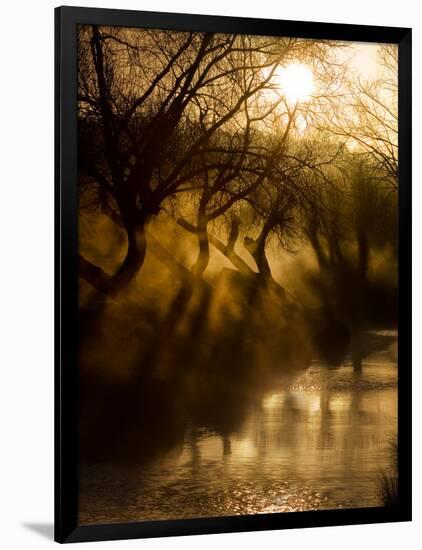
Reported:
(46, 530)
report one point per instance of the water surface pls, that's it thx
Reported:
(317, 443)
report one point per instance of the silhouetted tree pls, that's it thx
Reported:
(155, 109)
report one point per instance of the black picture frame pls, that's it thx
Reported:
(66, 319)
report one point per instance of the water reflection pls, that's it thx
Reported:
(317, 443)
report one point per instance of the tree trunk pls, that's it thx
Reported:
(256, 248)
(204, 247)
(316, 245)
(135, 256)
(112, 285)
(227, 250)
(261, 261)
(363, 253)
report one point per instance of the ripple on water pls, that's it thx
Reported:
(373, 377)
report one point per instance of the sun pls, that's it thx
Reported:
(296, 81)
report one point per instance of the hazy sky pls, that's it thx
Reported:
(366, 60)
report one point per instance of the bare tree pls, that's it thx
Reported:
(150, 103)
(162, 114)
(367, 115)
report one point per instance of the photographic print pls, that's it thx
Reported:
(237, 274)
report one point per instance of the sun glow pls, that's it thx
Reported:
(296, 81)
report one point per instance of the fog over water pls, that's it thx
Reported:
(320, 443)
